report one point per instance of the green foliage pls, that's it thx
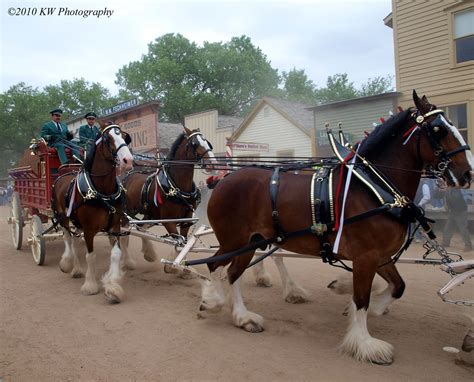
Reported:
(22, 112)
(24, 109)
(338, 88)
(377, 85)
(78, 96)
(188, 78)
(298, 87)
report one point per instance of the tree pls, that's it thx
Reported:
(24, 109)
(22, 112)
(297, 86)
(78, 96)
(187, 78)
(377, 85)
(338, 88)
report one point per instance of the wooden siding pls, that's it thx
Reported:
(207, 123)
(423, 40)
(355, 118)
(277, 131)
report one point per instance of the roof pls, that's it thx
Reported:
(355, 100)
(168, 132)
(228, 122)
(297, 113)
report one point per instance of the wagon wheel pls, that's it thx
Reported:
(16, 220)
(37, 240)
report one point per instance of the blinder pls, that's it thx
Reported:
(117, 130)
(194, 143)
(436, 130)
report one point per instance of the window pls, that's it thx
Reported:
(458, 116)
(464, 35)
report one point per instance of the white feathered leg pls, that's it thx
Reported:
(262, 277)
(111, 280)
(212, 294)
(148, 251)
(90, 285)
(67, 262)
(292, 292)
(127, 261)
(359, 344)
(77, 271)
(243, 318)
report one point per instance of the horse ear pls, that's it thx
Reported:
(188, 132)
(420, 104)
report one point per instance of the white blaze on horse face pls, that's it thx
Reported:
(124, 155)
(461, 141)
(205, 144)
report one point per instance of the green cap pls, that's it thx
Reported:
(91, 114)
(56, 111)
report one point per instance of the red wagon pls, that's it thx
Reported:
(31, 200)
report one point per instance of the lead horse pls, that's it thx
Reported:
(92, 201)
(240, 212)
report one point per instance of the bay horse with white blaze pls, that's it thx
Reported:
(168, 193)
(242, 211)
(92, 201)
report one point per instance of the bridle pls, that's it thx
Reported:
(191, 143)
(106, 139)
(435, 134)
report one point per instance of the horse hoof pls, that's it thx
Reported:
(187, 276)
(253, 327)
(77, 274)
(149, 258)
(112, 298)
(295, 299)
(88, 290)
(264, 281)
(169, 269)
(205, 307)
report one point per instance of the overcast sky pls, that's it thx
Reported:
(323, 37)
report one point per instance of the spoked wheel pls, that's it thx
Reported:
(37, 240)
(16, 220)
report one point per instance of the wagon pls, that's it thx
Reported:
(31, 199)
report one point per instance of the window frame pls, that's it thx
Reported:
(452, 10)
(446, 110)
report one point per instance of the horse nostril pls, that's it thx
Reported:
(125, 160)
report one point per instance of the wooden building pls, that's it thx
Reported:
(434, 54)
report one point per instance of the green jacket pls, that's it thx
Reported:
(87, 134)
(51, 134)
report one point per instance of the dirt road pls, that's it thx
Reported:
(50, 332)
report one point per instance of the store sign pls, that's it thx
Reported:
(248, 146)
(120, 107)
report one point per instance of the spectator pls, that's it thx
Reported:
(456, 208)
(422, 197)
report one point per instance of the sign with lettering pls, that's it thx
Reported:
(248, 146)
(120, 107)
(143, 132)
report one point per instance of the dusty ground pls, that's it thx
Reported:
(50, 332)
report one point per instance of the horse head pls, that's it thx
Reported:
(117, 142)
(445, 151)
(198, 147)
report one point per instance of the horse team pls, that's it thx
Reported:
(240, 212)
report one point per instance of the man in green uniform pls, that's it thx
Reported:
(88, 132)
(57, 135)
